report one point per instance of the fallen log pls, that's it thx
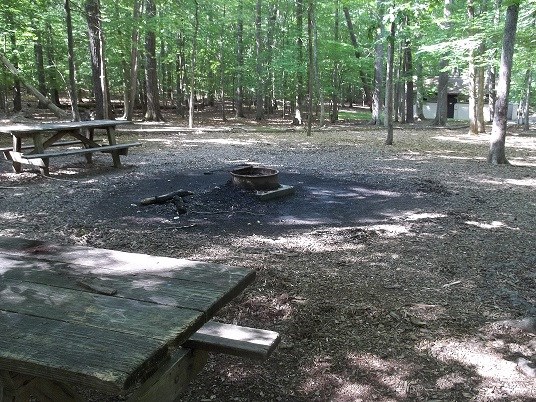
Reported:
(160, 199)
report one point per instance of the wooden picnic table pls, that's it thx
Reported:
(46, 135)
(106, 320)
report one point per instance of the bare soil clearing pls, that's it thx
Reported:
(389, 273)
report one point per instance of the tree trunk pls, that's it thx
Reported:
(443, 80)
(222, 67)
(389, 85)
(132, 81)
(299, 75)
(72, 71)
(192, 67)
(98, 65)
(153, 112)
(259, 65)
(481, 123)
(408, 72)
(240, 60)
(334, 115)
(17, 94)
(310, 70)
(497, 152)
(362, 76)
(40, 66)
(377, 96)
(56, 110)
(53, 79)
(419, 102)
(526, 100)
(473, 74)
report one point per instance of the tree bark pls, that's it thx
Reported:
(40, 66)
(408, 72)
(132, 80)
(299, 74)
(47, 102)
(98, 65)
(497, 151)
(377, 96)
(240, 61)
(72, 71)
(389, 85)
(153, 112)
(259, 65)
(334, 115)
(443, 80)
(311, 64)
(362, 76)
(192, 67)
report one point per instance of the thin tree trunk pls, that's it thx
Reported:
(419, 102)
(299, 75)
(443, 80)
(310, 70)
(192, 67)
(526, 98)
(492, 70)
(497, 151)
(40, 66)
(72, 71)
(131, 83)
(377, 96)
(408, 72)
(334, 115)
(240, 60)
(153, 112)
(259, 65)
(47, 102)
(222, 68)
(362, 76)
(389, 85)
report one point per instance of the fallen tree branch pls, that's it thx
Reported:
(160, 199)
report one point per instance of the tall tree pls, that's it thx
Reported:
(131, 76)
(98, 64)
(259, 65)
(389, 84)
(299, 72)
(153, 112)
(443, 80)
(353, 39)
(497, 152)
(240, 60)
(334, 115)
(193, 60)
(377, 96)
(72, 71)
(311, 64)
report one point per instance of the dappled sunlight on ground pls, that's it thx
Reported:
(491, 361)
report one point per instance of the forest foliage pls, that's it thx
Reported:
(274, 42)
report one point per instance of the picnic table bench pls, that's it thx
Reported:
(132, 325)
(37, 154)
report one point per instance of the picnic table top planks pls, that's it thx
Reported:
(29, 128)
(102, 318)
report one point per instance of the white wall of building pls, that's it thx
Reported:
(461, 111)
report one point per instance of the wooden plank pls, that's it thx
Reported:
(69, 152)
(113, 262)
(71, 353)
(167, 383)
(28, 129)
(193, 290)
(55, 144)
(234, 340)
(117, 314)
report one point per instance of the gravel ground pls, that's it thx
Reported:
(394, 273)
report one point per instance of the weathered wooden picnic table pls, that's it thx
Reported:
(47, 135)
(125, 324)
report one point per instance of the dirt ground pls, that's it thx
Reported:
(400, 273)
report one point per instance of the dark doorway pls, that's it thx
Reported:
(451, 101)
